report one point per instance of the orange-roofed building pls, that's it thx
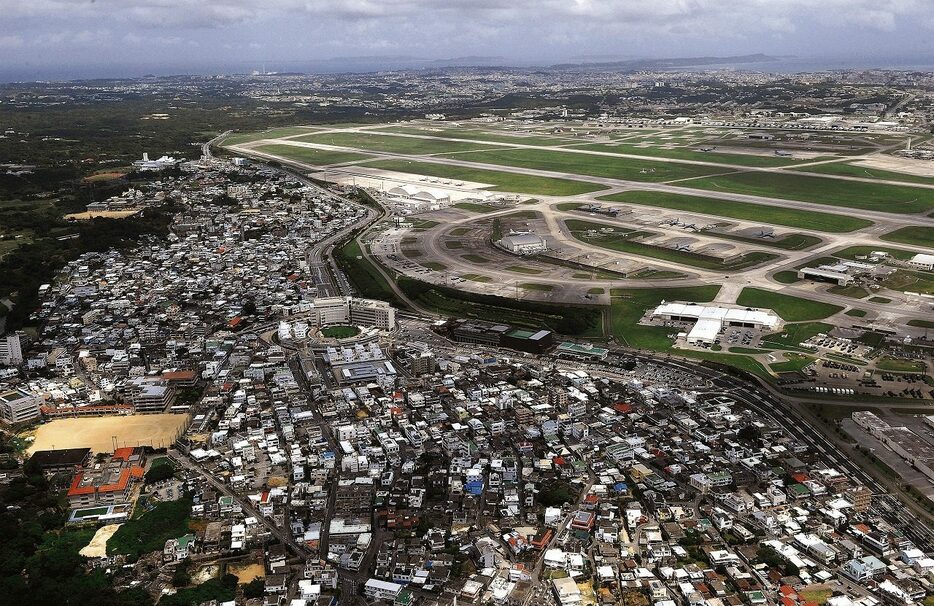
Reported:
(110, 483)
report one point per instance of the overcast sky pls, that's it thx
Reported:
(177, 34)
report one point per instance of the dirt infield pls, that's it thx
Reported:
(100, 433)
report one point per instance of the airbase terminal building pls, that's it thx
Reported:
(709, 320)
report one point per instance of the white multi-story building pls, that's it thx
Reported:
(11, 350)
(18, 406)
(376, 589)
(327, 311)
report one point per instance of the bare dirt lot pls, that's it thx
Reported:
(97, 548)
(100, 433)
(106, 214)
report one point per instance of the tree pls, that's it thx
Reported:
(181, 578)
(161, 469)
(254, 589)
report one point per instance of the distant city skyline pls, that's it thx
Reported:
(59, 39)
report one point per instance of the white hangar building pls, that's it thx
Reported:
(524, 243)
(709, 320)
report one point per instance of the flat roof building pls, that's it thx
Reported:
(710, 319)
(18, 406)
(66, 459)
(529, 341)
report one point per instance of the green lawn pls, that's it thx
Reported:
(519, 269)
(787, 277)
(500, 180)
(629, 305)
(749, 350)
(854, 170)
(307, 155)
(476, 278)
(794, 362)
(624, 241)
(150, 531)
(627, 169)
(915, 235)
(789, 308)
(898, 365)
(419, 223)
(434, 265)
(475, 258)
(742, 362)
(856, 313)
(690, 153)
(389, 143)
(655, 274)
(910, 281)
(536, 286)
(900, 199)
(789, 242)
(339, 332)
(921, 323)
(760, 213)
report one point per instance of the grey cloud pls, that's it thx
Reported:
(530, 29)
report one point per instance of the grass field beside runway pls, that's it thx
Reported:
(389, 143)
(501, 181)
(900, 199)
(789, 242)
(914, 235)
(593, 165)
(789, 308)
(273, 133)
(307, 155)
(760, 213)
(478, 135)
(689, 153)
(623, 241)
(856, 170)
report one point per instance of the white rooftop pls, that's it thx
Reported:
(723, 314)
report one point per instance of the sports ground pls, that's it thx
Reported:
(103, 434)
